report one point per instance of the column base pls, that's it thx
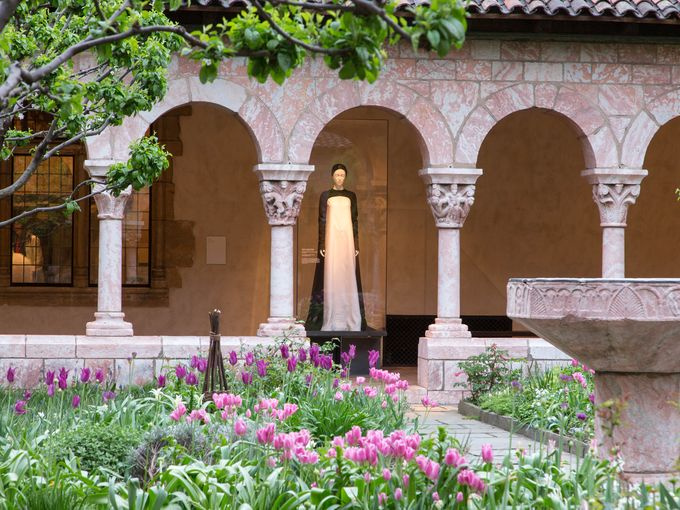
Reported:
(109, 324)
(447, 328)
(281, 327)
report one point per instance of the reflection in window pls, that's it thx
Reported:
(42, 244)
(136, 240)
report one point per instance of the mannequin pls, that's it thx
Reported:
(337, 302)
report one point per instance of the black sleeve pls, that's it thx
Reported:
(355, 220)
(323, 204)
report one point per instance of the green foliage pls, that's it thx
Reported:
(487, 371)
(97, 446)
(549, 400)
(148, 160)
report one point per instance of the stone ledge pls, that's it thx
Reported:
(569, 444)
(119, 347)
(50, 346)
(13, 346)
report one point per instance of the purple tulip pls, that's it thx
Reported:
(49, 377)
(261, 367)
(180, 371)
(192, 380)
(161, 380)
(194, 361)
(27, 395)
(75, 402)
(10, 374)
(85, 375)
(308, 379)
(302, 355)
(246, 377)
(63, 378)
(250, 359)
(292, 363)
(326, 362)
(343, 373)
(352, 351)
(202, 365)
(20, 407)
(373, 357)
(108, 395)
(591, 397)
(336, 382)
(233, 358)
(581, 416)
(285, 352)
(345, 358)
(99, 375)
(314, 352)
(50, 390)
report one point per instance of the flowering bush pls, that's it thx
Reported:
(560, 399)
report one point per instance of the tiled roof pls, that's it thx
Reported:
(661, 9)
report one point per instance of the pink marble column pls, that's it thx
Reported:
(282, 187)
(613, 191)
(109, 317)
(450, 194)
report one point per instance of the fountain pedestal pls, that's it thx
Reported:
(628, 331)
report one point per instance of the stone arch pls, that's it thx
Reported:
(435, 140)
(592, 126)
(646, 124)
(266, 133)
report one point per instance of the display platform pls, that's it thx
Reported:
(367, 340)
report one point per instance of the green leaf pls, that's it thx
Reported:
(284, 61)
(433, 37)
(348, 71)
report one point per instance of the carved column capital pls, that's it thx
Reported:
(110, 207)
(281, 200)
(613, 191)
(613, 200)
(450, 203)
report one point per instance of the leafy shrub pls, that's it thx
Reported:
(97, 445)
(488, 371)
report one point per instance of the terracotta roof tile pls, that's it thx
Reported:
(661, 9)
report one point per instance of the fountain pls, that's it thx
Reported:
(628, 331)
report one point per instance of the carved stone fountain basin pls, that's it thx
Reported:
(628, 331)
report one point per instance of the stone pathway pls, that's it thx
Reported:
(473, 432)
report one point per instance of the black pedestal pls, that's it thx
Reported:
(369, 340)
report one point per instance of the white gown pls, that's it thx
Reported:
(340, 295)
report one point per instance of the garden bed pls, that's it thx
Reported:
(567, 444)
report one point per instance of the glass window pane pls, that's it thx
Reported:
(42, 244)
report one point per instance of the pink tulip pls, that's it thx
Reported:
(435, 496)
(487, 453)
(382, 497)
(240, 427)
(179, 411)
(387, 474)
(50, 390)
(459, 497)
(397, 494)
(338, 395)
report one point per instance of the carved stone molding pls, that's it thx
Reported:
(594, 299)
(281, 200)
(110, 207)
(613, 200)
(450, 203)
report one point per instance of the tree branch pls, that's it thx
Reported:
(298, 42)
(369, 7)
(324, 7)
(38, 157)
(7, 8)
(58, 207)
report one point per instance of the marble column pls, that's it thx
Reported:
(450, 194)
(282, 187)
(613, 191)
(109, 317)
